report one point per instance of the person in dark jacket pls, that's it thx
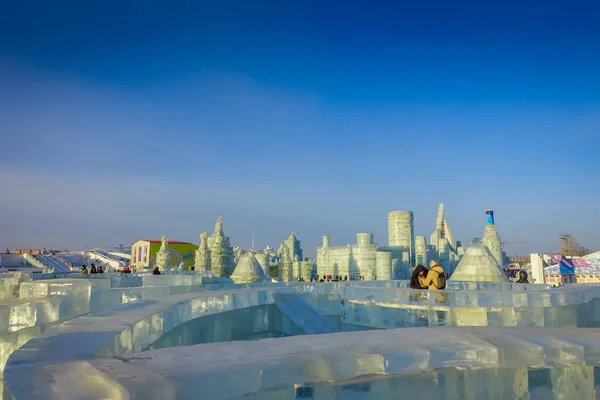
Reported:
(522, 277)
(418, 276)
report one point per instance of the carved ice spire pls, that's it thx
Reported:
(219, 227)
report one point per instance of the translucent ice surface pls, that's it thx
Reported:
(174, 336)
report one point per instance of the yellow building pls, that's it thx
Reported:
(143, 253)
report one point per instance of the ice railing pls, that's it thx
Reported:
(125, 329)
(375, 304)
(29, 307)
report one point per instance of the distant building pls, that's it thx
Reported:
(27, 251)
(143, 253)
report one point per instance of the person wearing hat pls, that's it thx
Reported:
(436, 277)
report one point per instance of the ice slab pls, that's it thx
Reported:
(303, 315)
(487, 360)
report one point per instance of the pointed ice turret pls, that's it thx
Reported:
(221, 252)
(219, 227)
(202, 259)
(290, 250)
(248, 270)
(439, 232)
(478, 264)
(491, 239)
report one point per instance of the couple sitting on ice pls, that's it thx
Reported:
(432, 279)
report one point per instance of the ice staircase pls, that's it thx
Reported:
(303, 314)
(53, 263)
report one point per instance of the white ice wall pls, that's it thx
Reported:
(12, 260)
(537, 268)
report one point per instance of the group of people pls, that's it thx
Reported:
(93, 269)
(332, 278)
(433, 278)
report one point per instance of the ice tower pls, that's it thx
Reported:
(221, 252)
(202, 259)
(491, 239)
(421, 251)
(401, 232)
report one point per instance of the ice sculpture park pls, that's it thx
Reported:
(228, 329)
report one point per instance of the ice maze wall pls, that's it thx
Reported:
(499, 340)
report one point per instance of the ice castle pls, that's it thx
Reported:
(191, 334)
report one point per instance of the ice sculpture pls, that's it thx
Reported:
(438, 234)
(488, 347)
(420, 251)
(401, 232)
(290, 250)
(491, 239)
(383, 265)
(264, 261)
(248, 270)
(449, 235)
(202, 256)
(291, 264)
(478, 264)
(445, 247)
(221, 252)
(360, 260)
(163, 257)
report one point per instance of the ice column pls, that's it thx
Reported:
(401, 231)
(286, 272)
(307, 269)
(364, 239)
(421, 251)
(444, 254)
(383, 265)
(362, 256)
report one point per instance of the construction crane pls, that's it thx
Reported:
(515, 242)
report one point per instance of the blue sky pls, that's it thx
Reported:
(126, 120)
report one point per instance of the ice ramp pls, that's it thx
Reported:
(303, 314)
(53, 263)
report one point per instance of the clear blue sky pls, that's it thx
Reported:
(127, 119)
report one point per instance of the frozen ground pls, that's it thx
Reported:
(175, 336)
